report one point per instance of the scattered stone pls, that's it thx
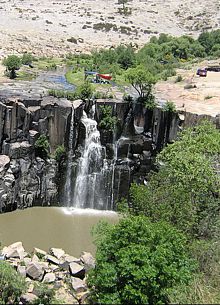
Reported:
(27, 260)
(28, 298)
(35, 258)
(77, 270)
(49, 278)
(78, 285)
(22, 270)
(35, 271)
(66, 260)
(88, 260)
(52, 259)
(15, 250)
(40, 253)
(58, 253)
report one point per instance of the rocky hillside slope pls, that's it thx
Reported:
(58, 27)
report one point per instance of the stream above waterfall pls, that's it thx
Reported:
(53, 227)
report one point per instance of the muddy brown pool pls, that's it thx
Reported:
(45, 227)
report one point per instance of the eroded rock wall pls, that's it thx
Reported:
(25, 179)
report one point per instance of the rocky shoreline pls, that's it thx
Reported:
(60, 271)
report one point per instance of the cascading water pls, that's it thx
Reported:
(89, 190)
(68, 184)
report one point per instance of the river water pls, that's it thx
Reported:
(45, 227)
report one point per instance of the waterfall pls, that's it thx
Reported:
(89, 190)
(68, 184)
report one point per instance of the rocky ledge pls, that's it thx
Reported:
(60, 271)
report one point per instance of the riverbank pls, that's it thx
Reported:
(56, 270)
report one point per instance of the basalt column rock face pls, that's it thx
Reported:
(26, 179)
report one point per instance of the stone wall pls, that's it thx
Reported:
(24, 178)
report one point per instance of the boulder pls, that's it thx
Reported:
(49, 278)
(22, 270)
(66, 260)
(57, 252)
(52, 259)
(35, 271)
(88, 260)
(77, 270)
(78, 285)
(15, 250)
(40, 253)
(28, 298)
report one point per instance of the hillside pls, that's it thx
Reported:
(43, 27)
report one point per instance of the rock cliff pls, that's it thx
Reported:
(26, 179)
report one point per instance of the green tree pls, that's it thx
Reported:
(42, 147)
(138, 262)
(12, 63)
(185, 190)
(142, 81)
(12, 285)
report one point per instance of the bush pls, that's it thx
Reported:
(169, 106)
(45, 294)
(27, 59)
(12, 285)
(184, 191)
(12, 63)
(42, 147)
(138, 262)
(60, 153)
(108, 122)
(84, 91)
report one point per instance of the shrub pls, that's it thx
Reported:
(45, 294)
(12, 285)
(42, 147)
(185, 190)
(12, 63)
(84, 91)
(108, 122)
(169, 106)
(60, 153)
(27, 59)
(138, 262)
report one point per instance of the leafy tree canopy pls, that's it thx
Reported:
(138, 262)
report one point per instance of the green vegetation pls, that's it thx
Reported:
(72, 96)
(12, 63)
(45, 294)
(60, 153)
(142, 81)
(169, 106)
(134, 256)
(12, 285)
(27, 59)
(138, 262)
(184, 191)
(42, 147)
(84, 91)
(108, 121)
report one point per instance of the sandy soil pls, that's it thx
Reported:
(204, 99)
(43, 27)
